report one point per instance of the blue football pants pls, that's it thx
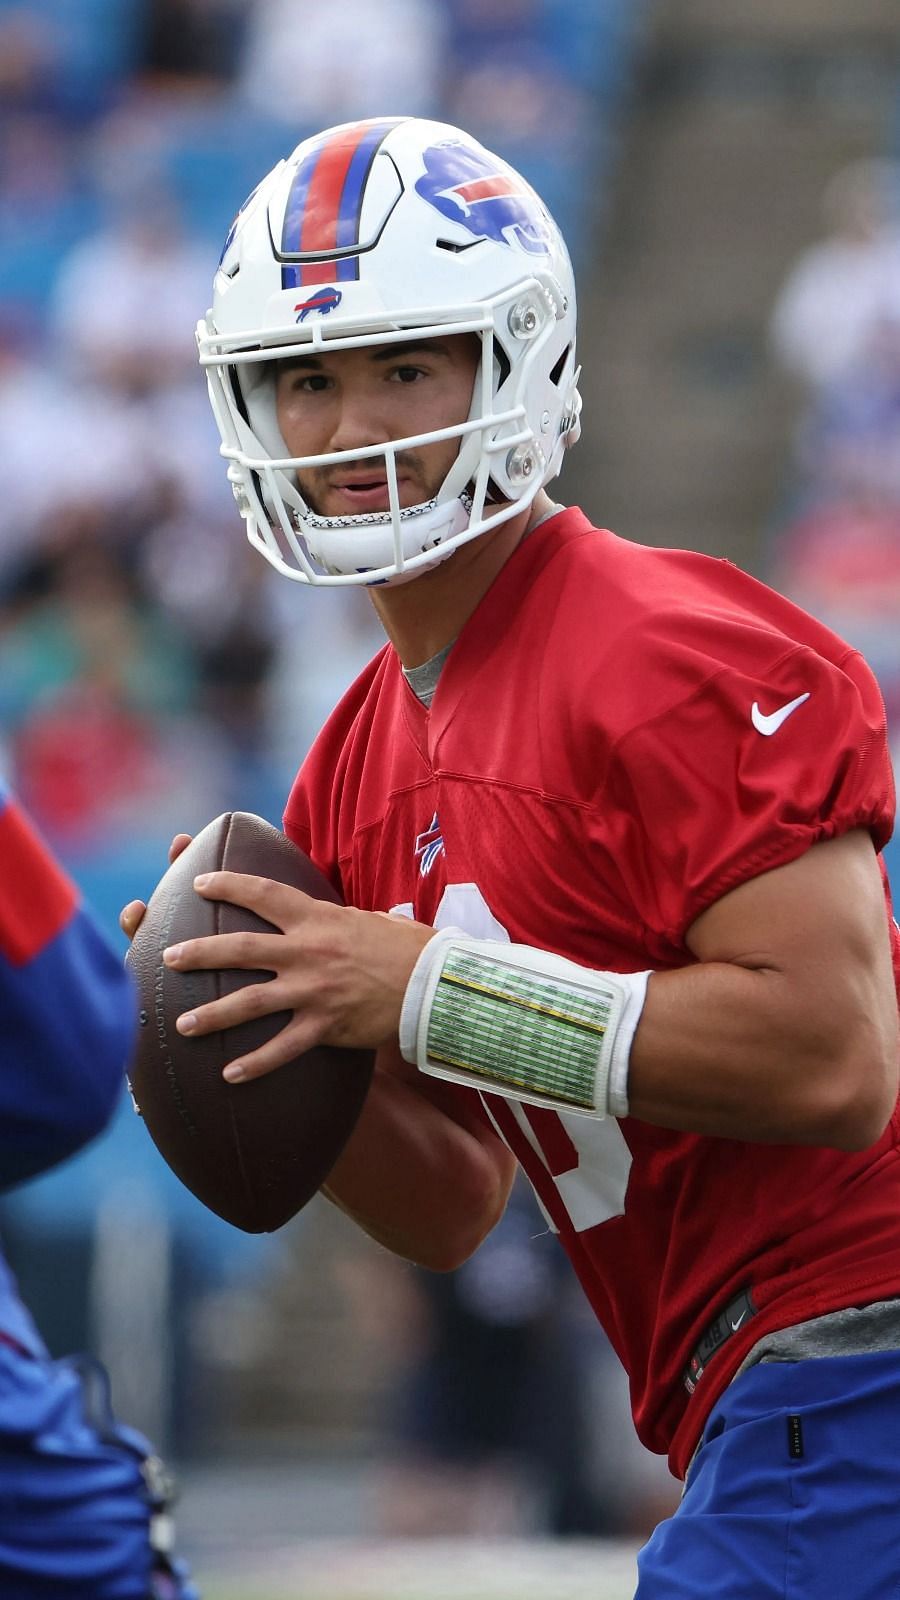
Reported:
(78, 1496)
(794, 1492)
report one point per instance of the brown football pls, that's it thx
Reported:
(254, 1152)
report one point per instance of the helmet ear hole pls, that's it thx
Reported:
(238, 395)
(560, 367)
(502, 365)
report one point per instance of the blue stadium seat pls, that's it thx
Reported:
(95, 43)
(215, 158)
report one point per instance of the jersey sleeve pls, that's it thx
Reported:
(744, 774)
(67, 1013)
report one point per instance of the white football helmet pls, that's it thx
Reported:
(371, 232)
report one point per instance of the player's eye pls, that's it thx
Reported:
(296, 380)
(407, 374)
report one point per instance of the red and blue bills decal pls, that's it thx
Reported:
(324, 206)
(323, 301)
(471, 187)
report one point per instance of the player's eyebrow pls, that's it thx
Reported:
(428, 347)
(384, 352)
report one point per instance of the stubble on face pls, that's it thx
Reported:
(415, 484)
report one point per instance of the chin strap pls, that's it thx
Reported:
(523, 1023)
(365, 542)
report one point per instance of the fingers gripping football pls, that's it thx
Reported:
(341, 973)
(132, 915)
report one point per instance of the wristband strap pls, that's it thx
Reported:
(523, 1023)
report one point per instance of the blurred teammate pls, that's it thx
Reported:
(617, 812)
(83, 1501)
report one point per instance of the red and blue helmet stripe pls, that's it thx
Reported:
(322, 216)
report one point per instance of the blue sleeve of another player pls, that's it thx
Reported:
(66, 1024)
(67, 1010)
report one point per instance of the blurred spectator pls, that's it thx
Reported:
(848, 443)
(521, 78)
(513, 98)
(39, 172)
(88, 676)
(29, 59)
(126, 300)
(541, 60)
(70, 58)
(68, 449)
(836, 327)
(488, 1432)
(841, 561)
(832, 309)
(315, 662)
(190, 45)
(45, 208)
(356, 59)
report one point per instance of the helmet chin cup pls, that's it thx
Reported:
(438, 238)
(421, 531)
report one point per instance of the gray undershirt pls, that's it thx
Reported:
(423, 680)
(854, 1331)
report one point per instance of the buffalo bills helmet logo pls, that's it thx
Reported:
(471, 187)
(323, 301)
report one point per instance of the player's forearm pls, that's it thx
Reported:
(736, 1052)
(783, 1030)
(392, 1176)
(752, 1048)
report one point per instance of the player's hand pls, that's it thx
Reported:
(342, 973)
(132, 915)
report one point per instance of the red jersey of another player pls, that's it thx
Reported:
(620, 735)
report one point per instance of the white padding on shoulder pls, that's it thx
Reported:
(521, 1022)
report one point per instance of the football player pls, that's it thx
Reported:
(85, 1500)
(609, 823)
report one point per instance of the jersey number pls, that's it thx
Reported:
(592, 1189)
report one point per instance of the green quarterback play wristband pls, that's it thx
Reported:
(523, 1023)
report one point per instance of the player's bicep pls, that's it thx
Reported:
(818, 929)
(828, 904)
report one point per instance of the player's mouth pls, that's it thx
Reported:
(358, 494)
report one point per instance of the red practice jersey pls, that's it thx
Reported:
(621, 735)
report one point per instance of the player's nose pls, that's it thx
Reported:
(359, 421)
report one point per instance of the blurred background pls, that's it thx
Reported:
(728, 179)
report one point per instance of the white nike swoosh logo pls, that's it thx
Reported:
(736, 1324)
(771, 723)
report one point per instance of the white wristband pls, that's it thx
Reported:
(523, 1023)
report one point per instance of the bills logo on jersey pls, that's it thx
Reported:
(470, 187)
(429, 845)
(323, 301)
